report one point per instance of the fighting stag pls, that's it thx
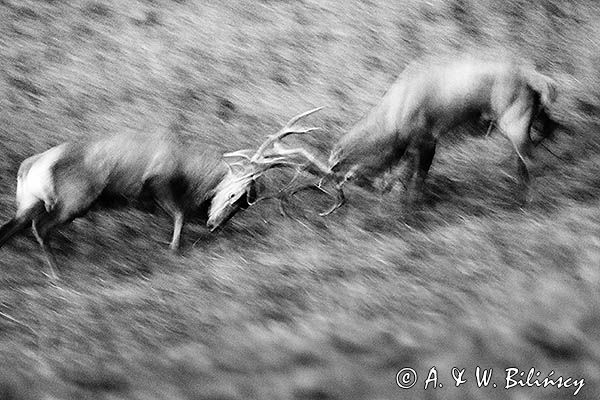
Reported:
(430, 98)
(66, 181)
(240, 182)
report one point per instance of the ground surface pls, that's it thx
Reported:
(304, 307)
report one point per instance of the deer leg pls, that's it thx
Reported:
(177, 227)
(176, 213)
(166, 200)
(61, 214)
(422, 163)
(394, 173)
(516, 128)
(410, 170)
(81, 195)
(23, 217)
(525, 162)
(490, 127)
(40, 228)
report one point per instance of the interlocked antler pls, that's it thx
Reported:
(267, 157)
(288, 129)
(280, 154)
(322, 169)
(271, 153)
(239, 153)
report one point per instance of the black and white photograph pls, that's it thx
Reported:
(299, 199)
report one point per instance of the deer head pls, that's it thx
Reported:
(238, 190)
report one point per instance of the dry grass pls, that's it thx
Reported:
(303, 307)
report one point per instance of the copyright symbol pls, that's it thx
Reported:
(406, 378)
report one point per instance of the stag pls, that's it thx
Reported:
(66, 181)
(430, 98)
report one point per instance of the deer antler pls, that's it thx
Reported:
(278, 155)
(239, 153)
(341, 199)
(271, 153)
(288, 129)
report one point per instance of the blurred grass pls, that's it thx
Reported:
(303, 307)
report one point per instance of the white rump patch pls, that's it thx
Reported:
(37, 182)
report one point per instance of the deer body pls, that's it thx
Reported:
(64, 182)
(429, 99)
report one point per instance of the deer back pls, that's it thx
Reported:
(120, 166)
(201, 170)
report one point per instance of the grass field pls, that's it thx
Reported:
(299, 307)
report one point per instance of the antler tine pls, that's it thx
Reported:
(339, 196)
(288, 129)
(272, 160)
(282, 151)
(239, 153)
(341, 199)
(298, 117)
